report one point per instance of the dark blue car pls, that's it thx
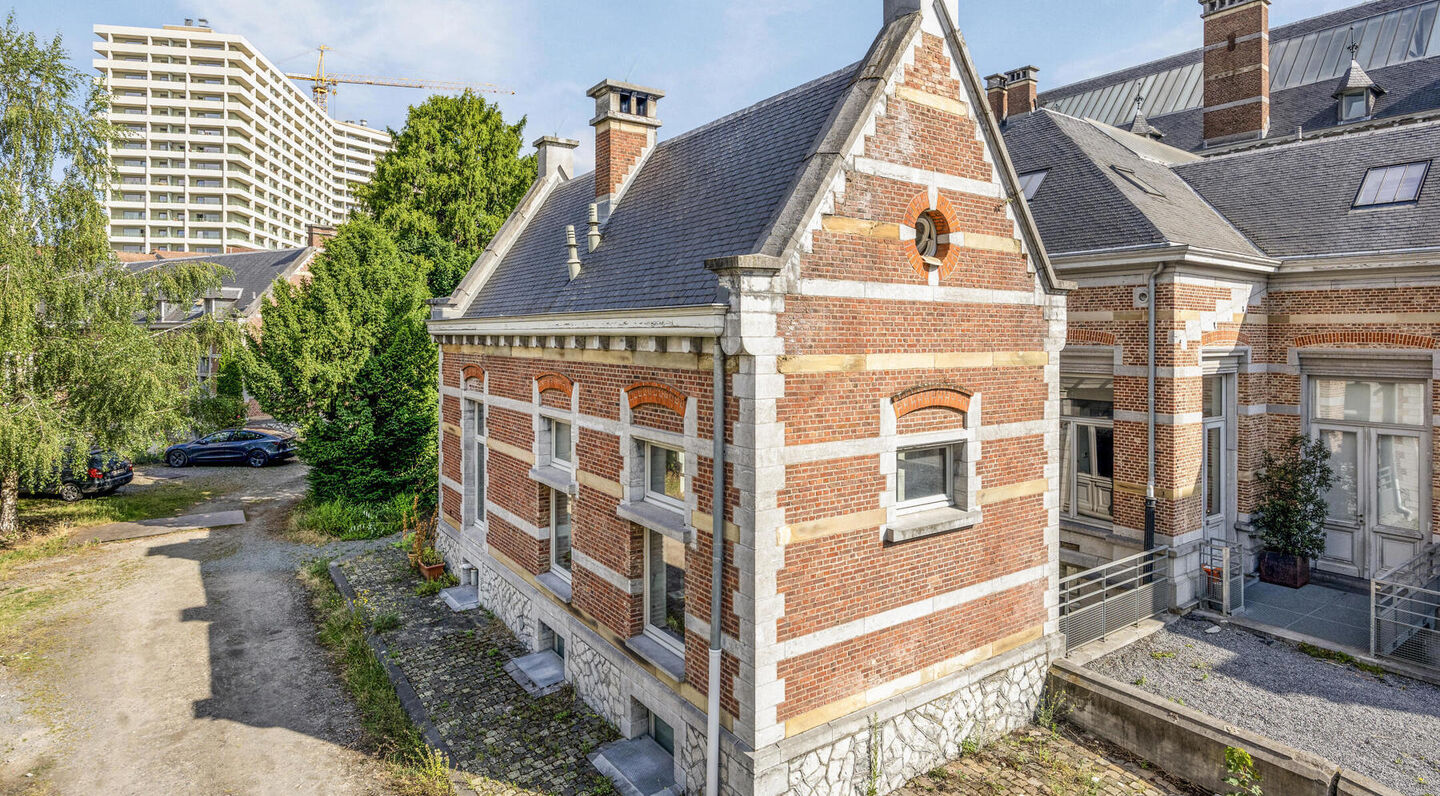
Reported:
(256, 447)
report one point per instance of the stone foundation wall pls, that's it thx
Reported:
(596, 679)
(899, 740)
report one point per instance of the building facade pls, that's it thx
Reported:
(835, 286)
(1266, 200)
(223, 152)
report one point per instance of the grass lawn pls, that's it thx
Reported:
(48, 522)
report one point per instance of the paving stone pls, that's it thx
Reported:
(506, 742)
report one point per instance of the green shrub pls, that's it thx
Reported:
(348, 520)
(432, 587)
(1292, 486)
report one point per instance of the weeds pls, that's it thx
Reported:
(1320, 653)
(416, 768)
(319, 521)
(1051, 710)
(386, 622)
(431, 588)
(1242, 775)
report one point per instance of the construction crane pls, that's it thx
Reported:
(323, 83)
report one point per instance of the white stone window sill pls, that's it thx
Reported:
(929, 523)
(658, 655)
(555, 478)
(666, 521)
(556, 585)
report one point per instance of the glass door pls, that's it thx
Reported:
(1216, 481)
(1397, 513)
(1345, 530)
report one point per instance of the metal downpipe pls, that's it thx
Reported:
(1150, 415)
(717, 563)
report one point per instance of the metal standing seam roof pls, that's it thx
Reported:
(711, 192)
(1085, 204)
(1398, 38)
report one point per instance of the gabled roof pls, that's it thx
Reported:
(711, 192)
(252, 274)
(744, 184)
(1355, 79)
(1089, 201)
(1295, 200)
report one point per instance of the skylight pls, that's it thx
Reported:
(1134, 179)
(1030, 182)
(1392, 185)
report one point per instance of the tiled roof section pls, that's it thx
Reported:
(711, 192)
(1295, 200)
(1084, 204)
(1354, 78)
(252, 272)
(1410, 86)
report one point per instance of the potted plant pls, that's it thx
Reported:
(1290, 516)
(432, 564)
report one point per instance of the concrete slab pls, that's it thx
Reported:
(461, 598)
(1348, 635)
(539, 674)
(120, 531)
(638, 767)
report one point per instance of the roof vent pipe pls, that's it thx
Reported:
(594, 224)
(574, 259)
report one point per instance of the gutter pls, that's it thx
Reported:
(717, 563)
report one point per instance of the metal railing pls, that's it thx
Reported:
(1405, 611)
(1099, 601)
(1222, 577)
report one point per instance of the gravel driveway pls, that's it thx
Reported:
(1386, 728)
(181, 664)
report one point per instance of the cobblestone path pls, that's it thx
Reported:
(1037, 762)
(505, 741)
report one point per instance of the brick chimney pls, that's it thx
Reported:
(555, 155)
(1237, 70)
(625, 123)
(995, 92)
(316, 235)
(1022, 90)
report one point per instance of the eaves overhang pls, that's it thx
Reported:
(1100, 261)
(704, 320)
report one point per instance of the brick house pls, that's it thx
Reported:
(843, 271)
(1268, 196)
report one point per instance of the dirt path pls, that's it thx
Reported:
(180, 664)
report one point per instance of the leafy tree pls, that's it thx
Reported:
(1292, 507)
(346, 357)
(453, 177)
(76, 368)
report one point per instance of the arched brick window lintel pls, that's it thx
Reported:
(657, 394)
(471, 371)
(948, 397)
(554, 381)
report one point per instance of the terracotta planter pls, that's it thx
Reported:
(432, 571)
(1283, 569)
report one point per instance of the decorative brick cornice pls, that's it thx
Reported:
(653, 392)
(471, 371)
(930, 397)
(1082, 336)
(943, 213)
(1352, 338)
(554, 381)
(1221, 337)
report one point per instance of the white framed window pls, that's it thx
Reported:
(472, 457)
(664, 475)
(1087, 447)
(560, 533)
(665, 567)
(1215, 465)
(559, 442)
(925, 478)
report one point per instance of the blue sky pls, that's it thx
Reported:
(711, 57)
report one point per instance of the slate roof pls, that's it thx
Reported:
(1411, 86)
(252, 272)
(1355, 78)
(1295, 199)
(1085, 204)
(711, 192)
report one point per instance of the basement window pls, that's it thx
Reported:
(1134, 179)
(1392, 185)
(1030, 183)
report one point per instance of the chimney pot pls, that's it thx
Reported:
(555, 155)
(189, 22)
(995, 93)
(594, 224)
(204, 23)
(573, 260)
(625, 130)
(1022, 90)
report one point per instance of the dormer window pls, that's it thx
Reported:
(1354, 106)
(1030, 183)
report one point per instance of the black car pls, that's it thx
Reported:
(104, 473)
(256, 447)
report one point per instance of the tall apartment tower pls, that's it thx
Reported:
(224, 152)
